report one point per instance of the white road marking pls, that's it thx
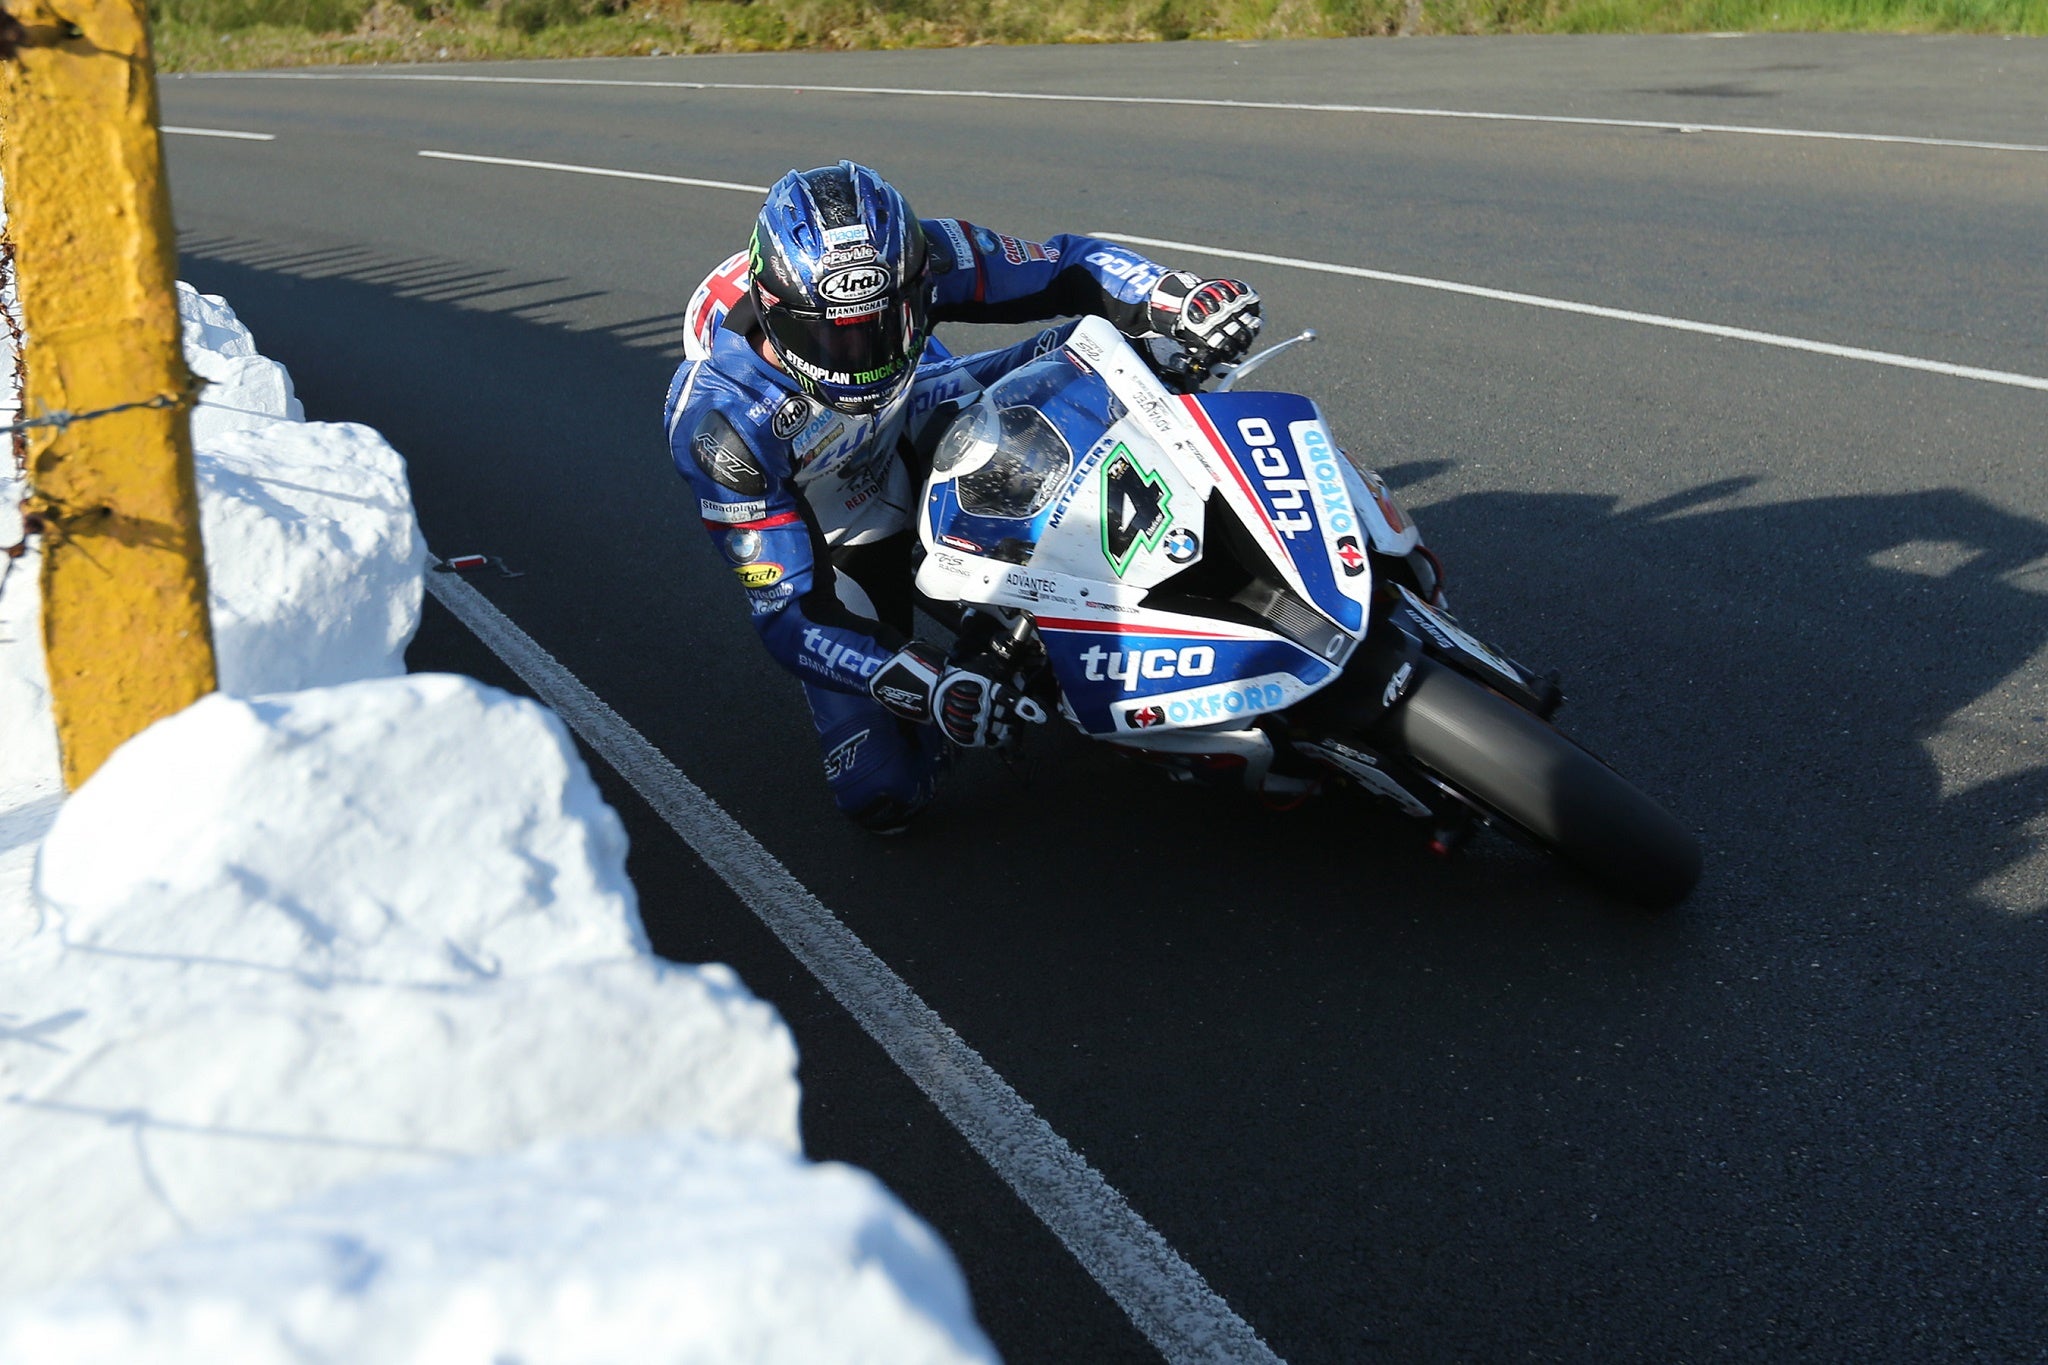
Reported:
(595, 170)
(1393, 110)
(1163, 1295)
(1713, 329)
(217, 132)
(1594, 310)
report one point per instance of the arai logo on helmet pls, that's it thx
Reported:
(858, 285)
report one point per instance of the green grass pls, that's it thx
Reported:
(199, 35)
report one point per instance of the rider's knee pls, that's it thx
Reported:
(883, 774)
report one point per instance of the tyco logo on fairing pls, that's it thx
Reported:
(1128, 667)
(1289, 494)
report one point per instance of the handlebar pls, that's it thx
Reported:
(1170, 360)
(1181, 373)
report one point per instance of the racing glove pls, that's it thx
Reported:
(970, 701)
(1216, 320)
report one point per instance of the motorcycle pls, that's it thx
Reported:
(1204, 579)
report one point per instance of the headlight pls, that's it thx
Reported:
(1030, 464)
(971, 439)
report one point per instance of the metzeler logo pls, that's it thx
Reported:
(857, 285)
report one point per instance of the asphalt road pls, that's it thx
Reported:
(1390, 1109)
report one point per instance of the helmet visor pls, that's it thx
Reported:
(852, 363)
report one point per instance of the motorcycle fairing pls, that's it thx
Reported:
(1225, 706)
(1111, 670)
(1128, 514)
(1392, 533)
(1286, 471)
(1444, 636)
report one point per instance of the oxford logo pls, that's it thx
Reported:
(857, 285)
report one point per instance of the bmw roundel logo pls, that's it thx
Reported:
(743, 547)
(1181, 545)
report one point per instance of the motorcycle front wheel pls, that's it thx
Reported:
(1515, 766)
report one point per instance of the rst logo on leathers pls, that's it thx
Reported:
(727, 467)
(856, 285)
(842, 755)
(725, 459)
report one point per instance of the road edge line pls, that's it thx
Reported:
(1165, 1298)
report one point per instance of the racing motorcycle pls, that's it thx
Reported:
(1204, 579)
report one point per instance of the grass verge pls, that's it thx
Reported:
(209, 35)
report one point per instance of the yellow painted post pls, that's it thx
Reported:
(125, 625)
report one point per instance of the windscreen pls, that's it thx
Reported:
(1030, 462)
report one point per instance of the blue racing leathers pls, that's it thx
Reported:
(810, 508)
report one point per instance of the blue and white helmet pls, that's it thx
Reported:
(838, 274)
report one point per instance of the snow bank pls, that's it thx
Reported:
(313, 558)
(313, 936)
(332, 1002)
(244, 388)
(30, 784)
(617, 1250)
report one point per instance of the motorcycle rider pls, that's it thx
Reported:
(811, 372)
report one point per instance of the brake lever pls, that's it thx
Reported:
(1244, 367)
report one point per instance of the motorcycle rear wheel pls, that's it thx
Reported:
(1516, 766)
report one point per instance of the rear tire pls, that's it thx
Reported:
(1518, 767)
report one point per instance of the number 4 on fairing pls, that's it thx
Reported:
(1137, 508)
